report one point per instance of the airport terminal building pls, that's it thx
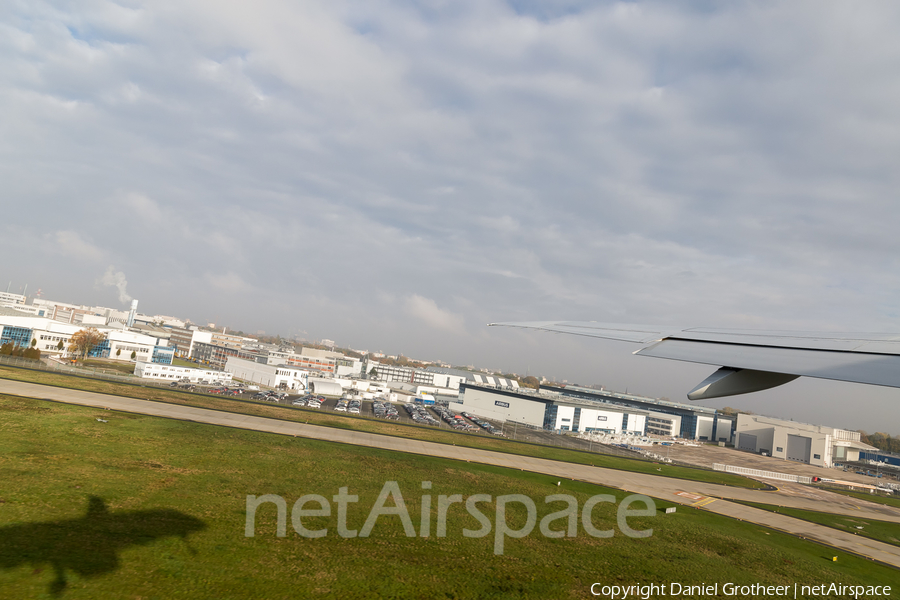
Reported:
(578, 409)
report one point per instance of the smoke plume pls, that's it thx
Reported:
(117, 280)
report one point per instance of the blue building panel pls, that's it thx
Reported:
(19, 336)
(880, 457)
(101, 350)
(163, 355)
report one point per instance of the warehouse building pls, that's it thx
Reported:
(811, 444)
(21, 329)
(284, 377)
(587, 410)
(159, 372)
(664, 417)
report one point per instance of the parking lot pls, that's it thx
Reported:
(431, 415)
(702, 455)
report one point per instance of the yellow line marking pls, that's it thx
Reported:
(703, 502)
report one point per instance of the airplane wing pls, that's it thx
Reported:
(752, 360)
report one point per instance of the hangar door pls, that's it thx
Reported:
(798, 448)
(747, 442)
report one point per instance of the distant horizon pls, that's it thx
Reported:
(725, 401)
(397, 175)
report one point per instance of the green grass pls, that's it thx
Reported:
(179, 362)
(126, 368)
(886, 500)
(159, 476)
(883, 531)
(333, 419)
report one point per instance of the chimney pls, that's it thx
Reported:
(131, 314)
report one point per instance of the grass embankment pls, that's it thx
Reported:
(333, 419)
(180, 362)
(176, 492)
(886, 500)
(111, 366)
(883, 531)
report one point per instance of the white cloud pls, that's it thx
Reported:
(427, 311)
(227, 282)
(72, 245)
(144, 209)
(645, 161)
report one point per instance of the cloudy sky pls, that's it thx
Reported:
(394, 175)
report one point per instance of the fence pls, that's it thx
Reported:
(762, 474)
(522, 432)
(51, 366)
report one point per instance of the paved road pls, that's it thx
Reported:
(705, 455)
(703, 496)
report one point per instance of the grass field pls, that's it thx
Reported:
(883, 531)
(179, 362)
(333, 419)
(168, 514)
(886, 500)
(112, 366)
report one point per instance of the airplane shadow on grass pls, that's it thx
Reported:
(89, 546)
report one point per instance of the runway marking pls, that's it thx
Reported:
(690, 495)
(704, 502)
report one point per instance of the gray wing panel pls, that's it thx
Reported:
(857, 367)
(879, 343)
(643, 334)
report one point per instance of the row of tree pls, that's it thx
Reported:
(80, 345)
(882, 441)
(10, 349)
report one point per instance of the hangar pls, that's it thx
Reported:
(811, 444)
(577, 409)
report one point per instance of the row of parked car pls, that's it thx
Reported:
(225, 391)
(482, 423)
(420, 415)
(269, 396)
(454, 421)
(348, 405)
(310, 401)
(385, 410)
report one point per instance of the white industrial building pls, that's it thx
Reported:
(417, 381)
(7, 299)
(282, 377)
(811, 444)
(472, 377)
(549, 411)
(21, 328)
(160, 372)
(579, 409)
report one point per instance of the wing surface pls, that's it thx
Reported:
(753, 360)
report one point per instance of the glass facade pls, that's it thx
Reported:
(101, 350)
(19, 336)
(689, 426)
(163, 354)
(550, 416)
